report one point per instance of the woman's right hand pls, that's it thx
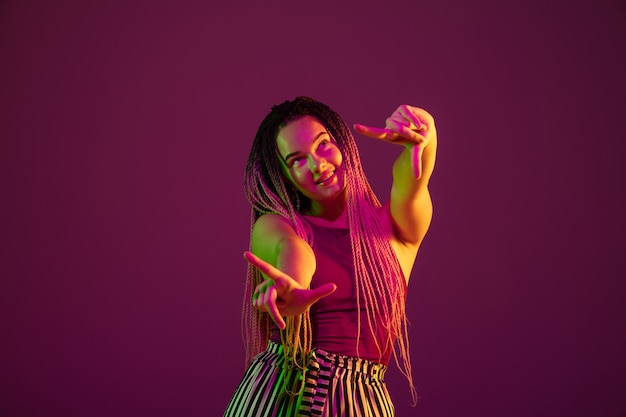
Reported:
(280, 295)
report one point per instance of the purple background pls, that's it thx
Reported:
(124, 133)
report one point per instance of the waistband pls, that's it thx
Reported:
(321, 359)
(312, 386)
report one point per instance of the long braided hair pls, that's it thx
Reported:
(380, 282)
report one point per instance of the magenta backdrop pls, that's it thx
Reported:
(124, 133)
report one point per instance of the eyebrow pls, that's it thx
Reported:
(286, 158)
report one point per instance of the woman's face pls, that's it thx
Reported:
(311, 159)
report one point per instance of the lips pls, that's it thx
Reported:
(326, 177)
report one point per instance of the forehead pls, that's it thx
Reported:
(298, 134)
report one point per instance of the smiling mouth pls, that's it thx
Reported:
(325, 178)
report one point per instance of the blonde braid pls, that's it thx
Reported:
(266, 190)
(380, 282)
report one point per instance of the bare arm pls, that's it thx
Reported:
(410, 204)
(275, 241)
(288, 263)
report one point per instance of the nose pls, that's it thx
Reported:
(316, 164)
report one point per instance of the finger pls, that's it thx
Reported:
(259, 302)
(402, 130)
(259, 289)
(272, 308)
(424, 117)
(416, 161)
(321, 292)
(264, 267)
(407, 114)
(375, 132)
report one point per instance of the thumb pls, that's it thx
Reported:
(322, 291)
(416, 161)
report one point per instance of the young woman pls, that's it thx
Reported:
(328, 264)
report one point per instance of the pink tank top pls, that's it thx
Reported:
(334, 318)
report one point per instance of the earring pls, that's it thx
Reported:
(297, 201)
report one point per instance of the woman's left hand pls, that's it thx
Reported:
(409, 126)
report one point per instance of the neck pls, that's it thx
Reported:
(331, 212)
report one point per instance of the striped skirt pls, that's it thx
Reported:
(334, 386)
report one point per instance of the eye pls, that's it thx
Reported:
(324, 143)
(297, 161)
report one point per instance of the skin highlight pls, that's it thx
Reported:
(290, 161)
(314, 165)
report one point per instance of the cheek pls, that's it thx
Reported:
(298, 176)
(337, 158)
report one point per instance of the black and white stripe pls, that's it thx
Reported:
(334, 386)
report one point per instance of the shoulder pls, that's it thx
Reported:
(268, 232)
(272, 235)
(272, 224)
